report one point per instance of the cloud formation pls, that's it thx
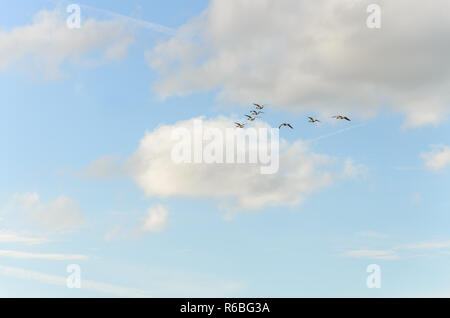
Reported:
(47, 42)
(438, 158)
(315, 56)
(354, 170)
(236, 185)
(102, 168)
(59, 215)
(155, 220)
(134, 225)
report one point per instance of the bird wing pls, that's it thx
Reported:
(289, 125)
(279, 127)
(311, 118)
(248, 116)
(346, 118)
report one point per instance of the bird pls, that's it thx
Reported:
(285, 124)
(239, 125)
(256, 113)
(341, 117)
(259, 106)
(312, 120)
(250, 118)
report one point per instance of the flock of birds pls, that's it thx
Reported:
(258, 110)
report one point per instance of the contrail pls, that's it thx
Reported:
(149, 25)
(340, 131)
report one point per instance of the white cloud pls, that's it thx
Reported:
(12, 237)
(103, 168)
(155, 220)
(438, 158)
(239, 186)
(315, 56)
(59, 215)
(354, 170)
(62, 281)
(27, 200)
(135, 224)
(55, 257)
(48, 42)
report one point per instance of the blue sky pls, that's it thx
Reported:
(67, 135)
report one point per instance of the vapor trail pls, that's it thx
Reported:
(340, 131)
(149, 25)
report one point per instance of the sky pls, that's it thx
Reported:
(86, 116)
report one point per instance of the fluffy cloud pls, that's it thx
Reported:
(438, 158)
(237, 185)
(48, 42)
(59, 215)
(155, 220)
(315, 56)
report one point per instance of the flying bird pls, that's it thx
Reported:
(259, 106)
(341, 117)
(254, 112)
(239, 125)
(285, 124)
(312, 120)
(250, 118)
